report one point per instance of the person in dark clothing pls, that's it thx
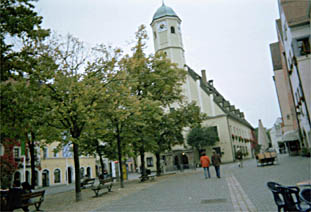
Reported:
(14, 200)
(26, 190)
(216, 163)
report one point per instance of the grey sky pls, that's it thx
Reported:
(228, 38)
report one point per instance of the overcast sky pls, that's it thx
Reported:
(228, 38)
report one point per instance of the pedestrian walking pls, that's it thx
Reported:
(239, 157)
(216, 163)
(205, 162)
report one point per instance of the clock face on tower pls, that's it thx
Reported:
(162, 26)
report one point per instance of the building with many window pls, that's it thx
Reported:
(233, 129)
(292, 76)
(53, 166)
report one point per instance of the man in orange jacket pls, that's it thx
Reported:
(205, 162)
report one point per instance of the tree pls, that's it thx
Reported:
(201, 137)
(8, 164)
(119, 109)
(169, 131)
(158, 80)
(74, 89)
(21, 24)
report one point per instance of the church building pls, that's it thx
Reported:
(234, 131)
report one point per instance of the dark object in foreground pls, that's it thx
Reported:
(286, 197)
(103, 183)
(19, 200)
(305, 196)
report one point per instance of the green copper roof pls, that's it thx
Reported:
(164, 11)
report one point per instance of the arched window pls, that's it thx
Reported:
(88, 172)
(56, 176)
(172, 30)
(82, 172)
(155, 35)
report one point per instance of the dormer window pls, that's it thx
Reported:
(172, 30)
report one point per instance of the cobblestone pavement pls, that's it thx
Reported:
(238, 189)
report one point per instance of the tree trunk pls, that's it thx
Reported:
(100, 158)
(142, 162)
(32, 160)
(199, 156)
(135, 162)
(77, 171)
(135, 156)
(158, 163)
(120, 157)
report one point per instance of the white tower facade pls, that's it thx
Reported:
(167, 34)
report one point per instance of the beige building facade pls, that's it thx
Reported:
(53, 167)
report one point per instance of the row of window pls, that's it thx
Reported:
(239, 132)
(17, 152)
(242, 148)
(57, 174)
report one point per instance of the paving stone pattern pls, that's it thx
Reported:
(238, 189)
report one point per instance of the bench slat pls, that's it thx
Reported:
(32, 199)
(103, 183)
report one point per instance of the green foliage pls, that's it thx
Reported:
(306, 152)
(200, 137)
(257, 149)
(20, 22)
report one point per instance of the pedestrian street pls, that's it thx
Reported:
(238, 189)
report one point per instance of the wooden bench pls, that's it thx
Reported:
(103, 183)
(150, 176)
(88, 182)
(34, 198)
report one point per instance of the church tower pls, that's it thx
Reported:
(167, 34)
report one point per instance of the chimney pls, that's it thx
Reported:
(203, 72)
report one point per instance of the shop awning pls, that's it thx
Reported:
(290, 136)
